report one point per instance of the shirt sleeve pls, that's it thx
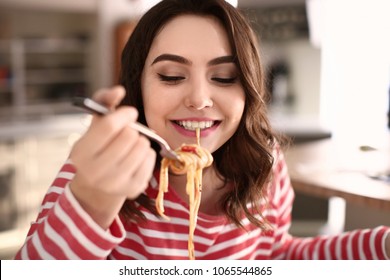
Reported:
(63, 230)
(362, 244)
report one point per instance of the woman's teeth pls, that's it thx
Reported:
(192, 125)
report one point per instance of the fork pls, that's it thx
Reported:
(94, 107)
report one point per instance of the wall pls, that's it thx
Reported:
(355, 74)
(305, 64)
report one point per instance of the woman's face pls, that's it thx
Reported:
(189, 81)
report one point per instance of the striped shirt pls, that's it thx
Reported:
(63, 230)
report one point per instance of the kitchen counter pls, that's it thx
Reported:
(344, 174)
(299, 128)
(358, 174)
(48, 126)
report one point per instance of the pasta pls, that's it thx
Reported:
(193, 159)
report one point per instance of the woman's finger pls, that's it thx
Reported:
(110, 97)
(138, 154)
(120, 146)
(104, 129)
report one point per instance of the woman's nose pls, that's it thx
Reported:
(199, 96)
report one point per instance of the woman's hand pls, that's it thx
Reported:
(113, 162)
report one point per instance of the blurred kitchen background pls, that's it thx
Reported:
(328, 67)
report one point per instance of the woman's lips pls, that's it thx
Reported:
(188, 128)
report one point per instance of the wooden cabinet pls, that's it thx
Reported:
(5, 73)
(37, 75)
(45, 59)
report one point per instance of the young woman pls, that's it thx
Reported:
(188, 64)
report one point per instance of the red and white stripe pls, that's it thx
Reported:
(64, 231)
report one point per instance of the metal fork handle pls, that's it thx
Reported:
(166, 151)
(97, 108)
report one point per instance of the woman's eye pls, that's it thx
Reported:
(170, 79)
(225, 80)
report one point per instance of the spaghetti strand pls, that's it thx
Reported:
(193, 159)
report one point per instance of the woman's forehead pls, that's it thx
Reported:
(192, 33)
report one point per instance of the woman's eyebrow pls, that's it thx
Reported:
(221, 60)
(171, 57)
(183, 60)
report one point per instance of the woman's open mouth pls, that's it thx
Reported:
(193, 125)
(188, 127)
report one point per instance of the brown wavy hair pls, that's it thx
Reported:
(246, 158)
